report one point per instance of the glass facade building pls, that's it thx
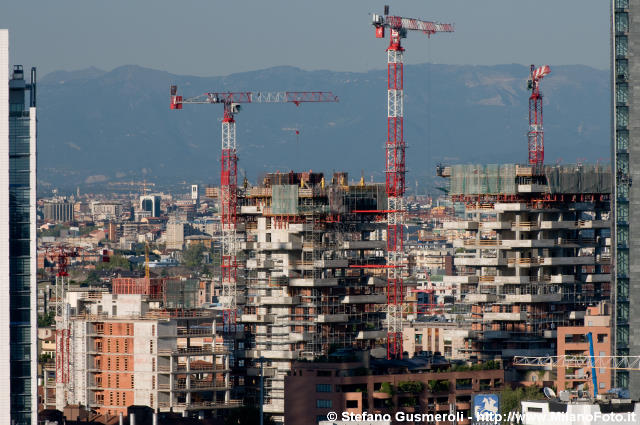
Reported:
(18, 265)
(625, 147)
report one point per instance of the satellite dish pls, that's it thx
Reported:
(549, 393)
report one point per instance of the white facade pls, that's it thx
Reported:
(5, 365)
(540, 412)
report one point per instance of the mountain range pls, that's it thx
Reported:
(97, 126)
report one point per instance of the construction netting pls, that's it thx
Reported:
(369, 197)
(284, 199)
(180, 293)
(584, 178)
(491, 179)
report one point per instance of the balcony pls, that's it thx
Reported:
(505, 317)
(312, 283)
(331, 264)
(472, 261)
(256, 318)
(460, 225)
(480, 298)
(278, 300)
(371, 334)
(532, 298)
(332, 318)
(364, 299)
(364, 245)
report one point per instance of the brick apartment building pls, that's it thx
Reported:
(314, 389)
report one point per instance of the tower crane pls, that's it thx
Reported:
(395, 169)
(229, 172)
(535, 135)
(60, 256)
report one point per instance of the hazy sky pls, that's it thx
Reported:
(213, 37)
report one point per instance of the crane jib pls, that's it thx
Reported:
(397, 22)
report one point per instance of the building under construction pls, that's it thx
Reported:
(313, 280)
(126, 350)
(537, 251)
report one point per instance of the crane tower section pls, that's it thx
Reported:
(535, 135)
(395, 165)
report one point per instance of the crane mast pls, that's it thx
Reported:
(229, 175)
(535, 135)
(395, 168)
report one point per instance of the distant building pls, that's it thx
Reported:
(151, 203)
(58, 210)
(195, 194)
(174, 235)
(106, 210)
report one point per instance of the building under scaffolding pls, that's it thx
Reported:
(537, 252)
(307, 292)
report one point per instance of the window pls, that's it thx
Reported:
(622, 45)
(323, 373)
(151, 347)
(622, 140)
(352, 404)
(324, 404)
(323, 388)
(602, 337)
(622, 22)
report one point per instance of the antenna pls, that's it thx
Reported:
(549, 393)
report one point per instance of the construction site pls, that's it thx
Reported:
(537, 252)
(312, 265)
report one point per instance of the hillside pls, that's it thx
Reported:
(97, 126)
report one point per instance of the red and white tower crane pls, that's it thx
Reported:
(395, 168)
(60, 256)
(535, 135)
(229, 173)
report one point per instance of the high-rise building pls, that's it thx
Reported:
(151, 203)
(625, 150)
(18, 357)
(195, 194)
(535, 256)
(311, 281)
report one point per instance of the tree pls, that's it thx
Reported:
(46, 320)
(92, 277)
(192, 256)
(511, 397)
(115, 262)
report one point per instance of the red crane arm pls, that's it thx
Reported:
(398, 22)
